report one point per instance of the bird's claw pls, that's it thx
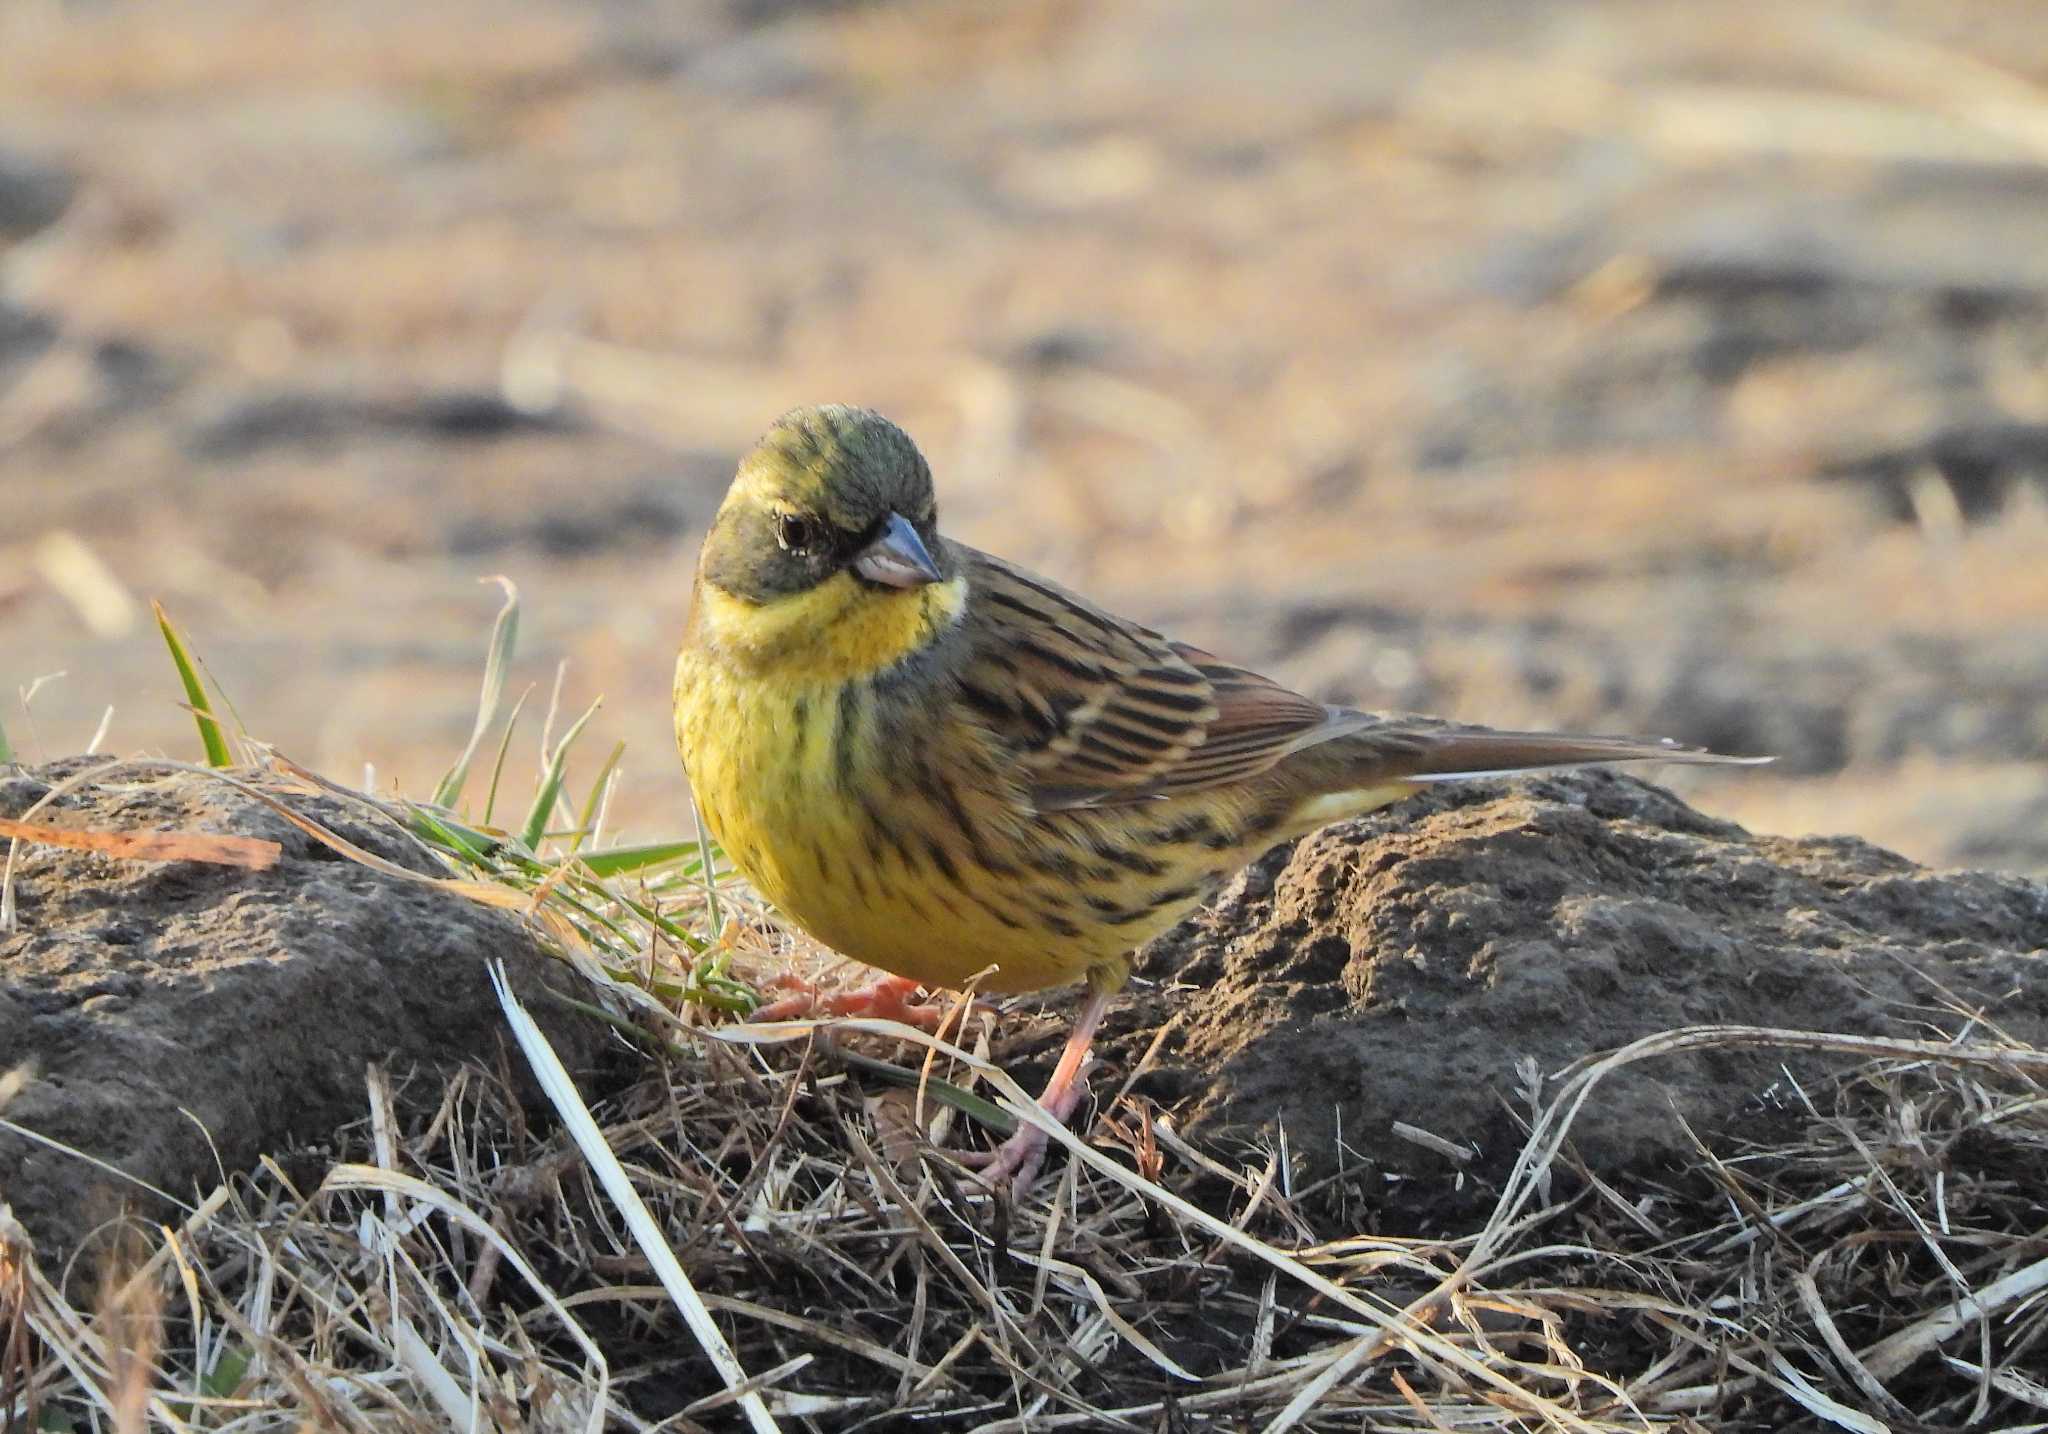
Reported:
(1015, 1163)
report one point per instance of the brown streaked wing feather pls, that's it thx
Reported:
(1257, 723)
(1098, 710)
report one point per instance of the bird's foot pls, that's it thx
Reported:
(1016, 1161)
(889, 999)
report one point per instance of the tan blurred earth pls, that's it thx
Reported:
(1674, 369)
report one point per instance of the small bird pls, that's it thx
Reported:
(941, 765)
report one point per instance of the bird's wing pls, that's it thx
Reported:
(1097, 710)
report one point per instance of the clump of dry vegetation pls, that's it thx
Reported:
(753, 1231)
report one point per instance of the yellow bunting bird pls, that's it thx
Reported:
(941, 765)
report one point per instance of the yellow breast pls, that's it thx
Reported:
(879, 845)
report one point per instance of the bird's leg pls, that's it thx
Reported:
(888, 999)
(1017, 1159)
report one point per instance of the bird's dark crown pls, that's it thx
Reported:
(851, 466)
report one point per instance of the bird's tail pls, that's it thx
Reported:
(1371, 760)
(1454, 754)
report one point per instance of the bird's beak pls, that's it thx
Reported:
(897, 559)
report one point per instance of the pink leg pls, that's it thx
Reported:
(888, 999)
(1017, 1159)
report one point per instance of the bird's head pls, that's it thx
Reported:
(826, 551)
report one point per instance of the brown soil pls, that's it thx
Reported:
(1439, 964)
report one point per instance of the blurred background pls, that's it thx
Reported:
(1671, 368)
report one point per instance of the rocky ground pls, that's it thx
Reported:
(1666, 368)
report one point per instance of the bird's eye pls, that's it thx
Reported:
(793, 532)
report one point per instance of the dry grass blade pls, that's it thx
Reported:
(1893, 1354)
(824, 1334)
(1792, 1382)
(252, 853)
(590, 1140)
(1817, 1311)
(483, 893)
(105, 1167)
(370, 1179)
(2027, 1390)
(1124, 1328)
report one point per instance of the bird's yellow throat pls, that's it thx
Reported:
(838, 630)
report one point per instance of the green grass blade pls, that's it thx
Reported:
(551, 786)
(985, 1112)
(589, 813)
(504, 747)
(624, 860)
(675, 931)
(6, 750)
(468, 844)
(210, 735)
(705, 869)
(504, 641)
(228, 1372)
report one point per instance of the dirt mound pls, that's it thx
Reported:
(179, 1019)
(1422, 965)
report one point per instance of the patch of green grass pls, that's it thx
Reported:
(616, 904)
